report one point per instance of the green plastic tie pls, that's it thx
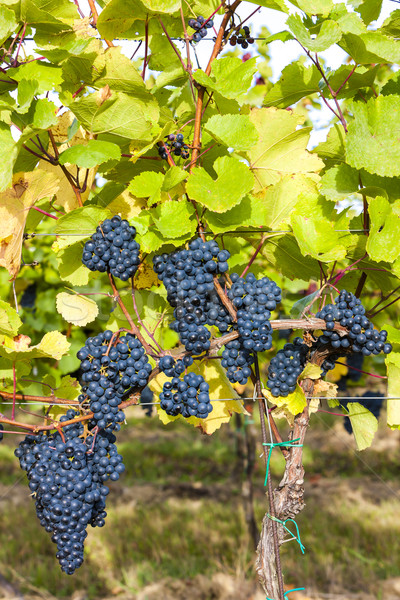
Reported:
(273, 445)
(288, 592)
(295, 537)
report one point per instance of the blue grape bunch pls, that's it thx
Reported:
(286, 366)
(200, 26)
(237, 361)
(254, 300)
(67, 478)
(176, 145)
(108, 372)
(113, 248)
(188, 276)
(362, 336)
(188, 397)
(243, 38)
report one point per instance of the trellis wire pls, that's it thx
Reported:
(211, 400)
(235, 231)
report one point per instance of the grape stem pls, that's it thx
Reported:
(133, 326)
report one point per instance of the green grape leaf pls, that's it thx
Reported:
(94, 153)
(8, 156)
(162, 6)
(372, 140)
(10, 321)
(281, 149)
(361, 77)
(311, 372)
(251, 211)
(230, 76)
(78, 225)
(364, 424)
(70, 266)
(27, 88)
(235, 131)
(384, 241)
(314, 225)
(281, 198)
(314, 7)
(393, 391)
(333, 149)
(273, 4)
(173, 219)
(173, 177)
(146, 184)
(371, 47)
(121, 74)
(117, 17)
(234, 181)
(8, 23)
(122, 115)
(368, 9)
(296, 82)
(76, 309)
(285, 255)
(339, 182)
(48, 77)
(330, 33)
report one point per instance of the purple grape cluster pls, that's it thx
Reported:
(286, 366)
(113, 248)
(254, 300)
(188, 397)
(67, 477)
(188, 276)
(200, 26)
(176, 146)
(362, 336)
(108, 372)
(237, 361)
(242, 39)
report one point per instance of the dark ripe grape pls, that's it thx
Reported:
(196, 37)
(70, 498)
(113, 247)
(188, 397)
(286, 366)
(233, 40)
(1, 431)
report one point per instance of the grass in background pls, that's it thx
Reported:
(177, 513)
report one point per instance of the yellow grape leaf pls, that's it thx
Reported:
(313, 405)
(76, 309)
(53, 345)
(364, 424)
(146, 277)
(294, 402)
(15, 203)
(66, 196)
(219, 388)
(311, 372)
(126, 205)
